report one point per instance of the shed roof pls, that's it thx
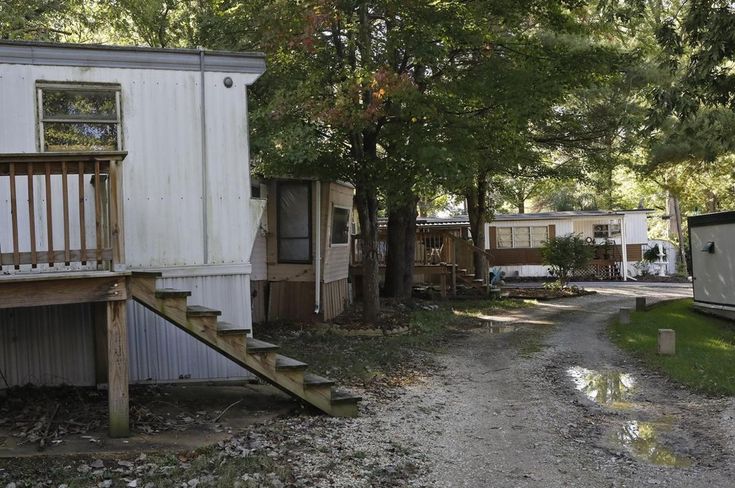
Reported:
(104, 56)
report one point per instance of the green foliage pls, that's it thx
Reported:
(705, 346)
(564, 254)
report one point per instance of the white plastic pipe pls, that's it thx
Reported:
(318, 246)
(624, 245)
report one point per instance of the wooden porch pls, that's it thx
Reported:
(67, 247)
(443, 257)
(62, 242)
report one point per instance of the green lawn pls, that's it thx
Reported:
(705, 346)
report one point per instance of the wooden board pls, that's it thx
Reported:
(291, 300)
(259, 292)
(334, 298)
(49, 290)
(117, 370)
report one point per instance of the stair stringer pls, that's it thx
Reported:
(234, 347)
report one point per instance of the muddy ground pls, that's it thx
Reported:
(540, 399)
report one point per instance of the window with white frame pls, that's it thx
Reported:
(521, 237)
(606, 231)
(78, 117)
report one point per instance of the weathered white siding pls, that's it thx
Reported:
(532, 270)
(258, 259)
(47, 345)
(163, 176)
(636, 227)
(160, 351)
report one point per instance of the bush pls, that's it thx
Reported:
(564, 254)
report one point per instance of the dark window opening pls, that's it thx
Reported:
(340, 225)
(293, 213)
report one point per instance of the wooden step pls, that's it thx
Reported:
(226, 328)
(199, 311)
(284, 363)
(254, 346)
(342, 397)
(312, 380)
(172, 293)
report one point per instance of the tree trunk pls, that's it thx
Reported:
(680, 234)
(399, 262)
(367, 210)
(477, 212)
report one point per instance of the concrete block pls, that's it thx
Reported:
(640, 304)
(667, 342)
(624, 316)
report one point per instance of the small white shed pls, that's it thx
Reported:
(712, 243)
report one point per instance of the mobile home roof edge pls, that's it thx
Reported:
(712, 219)
(133, 57)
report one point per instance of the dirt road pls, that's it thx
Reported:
(546, 402)
(579, 412)
(539, 398)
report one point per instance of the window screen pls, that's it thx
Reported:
(539, 234)
(294, 222)
(79, 118)
(504, 237)
(521, 237)
(340, 225)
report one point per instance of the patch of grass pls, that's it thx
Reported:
(705, 346)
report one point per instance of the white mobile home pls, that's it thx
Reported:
(514, 240)
(712, 244)
(116, 161)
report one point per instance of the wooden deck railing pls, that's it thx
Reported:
(41, 215)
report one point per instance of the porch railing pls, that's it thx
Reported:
(61, 209)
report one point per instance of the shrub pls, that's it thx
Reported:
(564, 254)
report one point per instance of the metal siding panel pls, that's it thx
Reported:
(159, 351)
(162, 173)
(47, 345)
(714, 274)
(258, 259)
(228, 172)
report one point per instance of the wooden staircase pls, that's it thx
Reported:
(232, 341)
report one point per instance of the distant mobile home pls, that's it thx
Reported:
(125, 199)
(514, 240)
(712, 244)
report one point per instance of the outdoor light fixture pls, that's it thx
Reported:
(228, 82)
(709, 247)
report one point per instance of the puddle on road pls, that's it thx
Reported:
(642, 440)
(499, 329)
(609, 388)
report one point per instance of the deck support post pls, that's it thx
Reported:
(117, 361)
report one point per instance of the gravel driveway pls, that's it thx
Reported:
(539, 398)
(575, 411)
